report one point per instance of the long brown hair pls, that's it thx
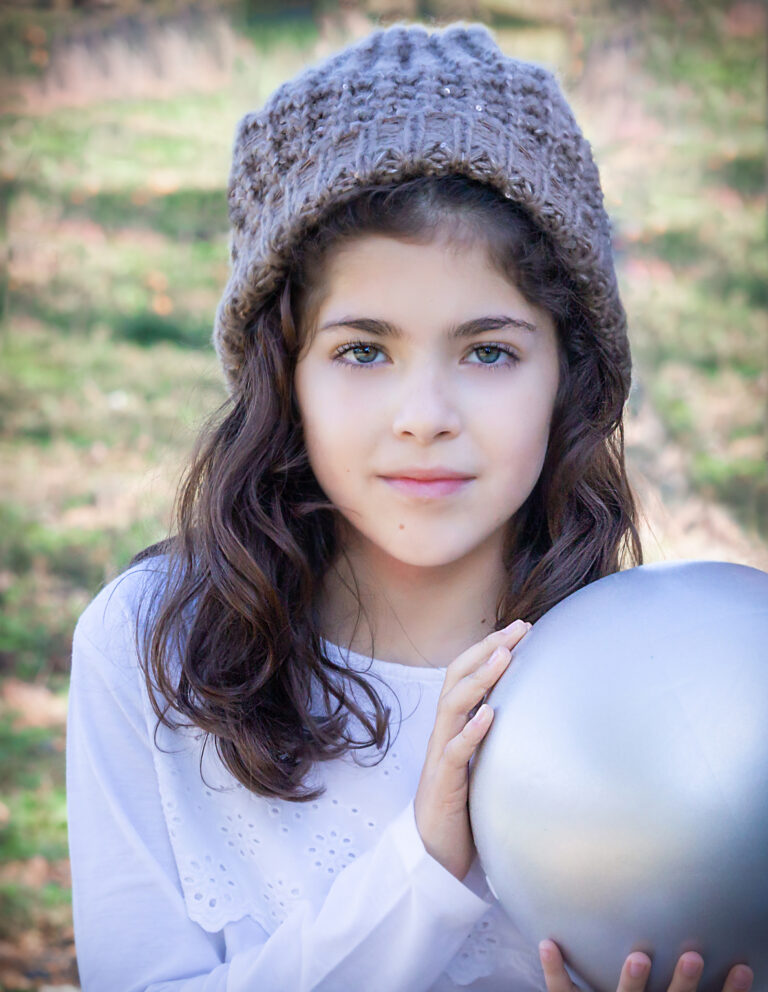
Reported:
(232, 640)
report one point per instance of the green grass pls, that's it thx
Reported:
(745, 173)
(691, 236)
(25, 753)
(272, 26)
(68, 555)
(187, 214)
(38, 824)
(32, 774)
(53, 572)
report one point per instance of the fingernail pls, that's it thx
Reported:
(691, 967)
(516, 624)
(742, 979)
(497, 655)
(637, 967)
(545, 951)
(482, 714)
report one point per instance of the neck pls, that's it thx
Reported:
(413, 615)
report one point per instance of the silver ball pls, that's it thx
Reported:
(619, 801)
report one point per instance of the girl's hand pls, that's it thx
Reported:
(442, 816)
(635, 972)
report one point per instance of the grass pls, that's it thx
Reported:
(33, 825)
(187, 214)
(116, 213)
(37, 826)
(26, 754)
(692, 250)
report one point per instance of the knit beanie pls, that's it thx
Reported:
(407, 101)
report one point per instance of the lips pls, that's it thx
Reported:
(427, 474)
(428, 483)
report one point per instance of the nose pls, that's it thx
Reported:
(426, 408)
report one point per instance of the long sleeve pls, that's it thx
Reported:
(390, 922)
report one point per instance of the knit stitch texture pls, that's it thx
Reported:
(407, 101)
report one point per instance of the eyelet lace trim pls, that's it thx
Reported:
(231, 881)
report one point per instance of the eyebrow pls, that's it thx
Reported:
(383, 328)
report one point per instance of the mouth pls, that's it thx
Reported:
(432, 488)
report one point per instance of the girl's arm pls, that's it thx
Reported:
(393, 919)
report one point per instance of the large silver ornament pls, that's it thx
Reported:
(620, 799)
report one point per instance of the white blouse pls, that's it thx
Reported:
(188, 881)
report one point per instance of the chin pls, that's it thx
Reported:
(424, 554)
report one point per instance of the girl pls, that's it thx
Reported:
(272, 714)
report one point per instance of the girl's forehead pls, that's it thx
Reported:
(451, 238)
(417, 290)
(450, 275)
(370, 263)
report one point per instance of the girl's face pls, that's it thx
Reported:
(425, 360)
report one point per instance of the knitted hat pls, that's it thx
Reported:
(401, 102)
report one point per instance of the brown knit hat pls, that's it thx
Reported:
(406, 101)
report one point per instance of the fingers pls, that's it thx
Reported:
(441, 799)
(466, 696)
(440, 804)
(634, 974)
(472, 675)
(687, 973)
(555, 974)
(690, 967)
(636, 970)
(469, 660)
(739, 979)
(451, 775)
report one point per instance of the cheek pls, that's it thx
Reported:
(332, 433)
(520, 445)
(522, 458)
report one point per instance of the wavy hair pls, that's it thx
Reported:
(232, 642)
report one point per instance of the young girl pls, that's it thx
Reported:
(272, 714)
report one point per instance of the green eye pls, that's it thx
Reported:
(489, 352)
(367, 352)
(489, 355)
(362, 350)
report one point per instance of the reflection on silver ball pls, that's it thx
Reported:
(620, 799)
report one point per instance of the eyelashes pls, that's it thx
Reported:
(368, 348)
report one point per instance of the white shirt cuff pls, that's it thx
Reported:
(459, 905)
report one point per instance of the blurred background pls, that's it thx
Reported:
(115, 140)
